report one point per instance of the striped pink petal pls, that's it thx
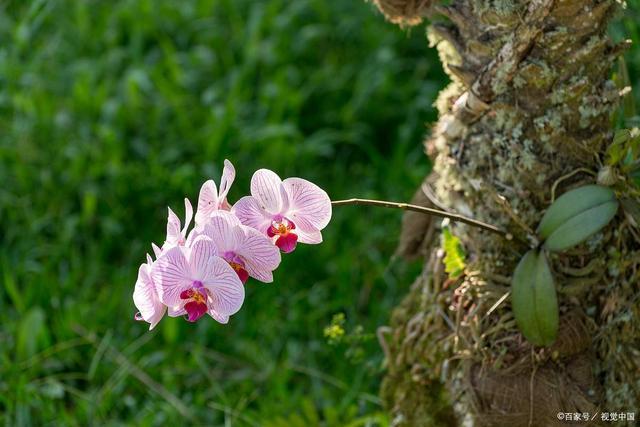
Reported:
(266, 188)
(156, 250)
(176, 311)
(228, 176)
(260, 255)
(171, 274)
(202, 251)
(224, 229)
(207, 202)
(251, 214)
(146, 299)
(188, 216)
(307, 201)
(306, 232)
(226, 292)
(173, 228)
(224, 319)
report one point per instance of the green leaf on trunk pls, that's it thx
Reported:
(577, 215)
(533, 299)
(454, 258)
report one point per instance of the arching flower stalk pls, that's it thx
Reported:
(203, 271)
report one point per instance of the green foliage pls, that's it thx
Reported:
(627, 74)
(454, 259)
(619, 148)
(577, 215)
(534, 300)
(623, 81)
(109, 112)
(353, 341)
(624, 153)
(334, 332)
(571, 219)
(307, 416)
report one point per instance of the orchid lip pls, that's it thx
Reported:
(280, 226)
(196, 305)
(287, 242)
(195, 310)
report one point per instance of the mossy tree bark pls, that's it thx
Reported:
(526, 117)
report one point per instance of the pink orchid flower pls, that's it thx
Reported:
(210, 200)
(194, 281)
(289, 211)
(247, 251)
(177, 236)
(145, 297)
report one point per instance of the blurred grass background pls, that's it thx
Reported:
(111, 111)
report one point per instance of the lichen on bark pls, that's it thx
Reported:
(526, 117)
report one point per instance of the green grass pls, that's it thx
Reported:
(109, 112)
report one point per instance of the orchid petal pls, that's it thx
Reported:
(265, 187)
(286, 203)
(226, 292)
(308, 201)
(224, 319)
(145, 298)
(260, 255)
(249, 212)
(202, 250)
(306, 232)
(309, 238)
(228, 175)
(177, 311)
(193, 235)
(156, 250)
(173, 229)
(207, 202)
(224, 229)
(171, 274)
(188, 216)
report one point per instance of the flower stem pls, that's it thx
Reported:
(426, 211)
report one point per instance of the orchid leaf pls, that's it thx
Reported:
(533, 299)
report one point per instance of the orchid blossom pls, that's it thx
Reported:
(194, 281)
(145, 297)
(202, 271)
(247, 251)
(210, 200)
(289, 211)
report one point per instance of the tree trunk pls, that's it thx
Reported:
(526, 117)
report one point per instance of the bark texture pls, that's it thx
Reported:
(526, 117)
